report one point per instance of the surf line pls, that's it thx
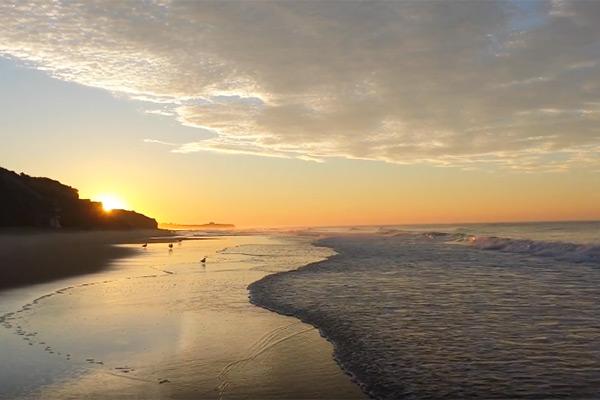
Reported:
(36, 301)
(162, 270)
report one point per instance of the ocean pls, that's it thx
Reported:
(490, 311)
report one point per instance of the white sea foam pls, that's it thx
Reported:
(558, 250)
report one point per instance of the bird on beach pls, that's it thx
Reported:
(203, 260)
(170, 245)
(145, 245)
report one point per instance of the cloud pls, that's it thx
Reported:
(164, 113)
(160, 142)
(448, 83)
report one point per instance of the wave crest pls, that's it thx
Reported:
(558, 250)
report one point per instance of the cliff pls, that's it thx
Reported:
(27, 201)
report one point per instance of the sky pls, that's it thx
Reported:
(298, 113)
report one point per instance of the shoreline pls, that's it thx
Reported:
(29, 256)
(254, 298)
(339, 363)
(158, 324)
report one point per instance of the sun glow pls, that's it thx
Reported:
(111, 202)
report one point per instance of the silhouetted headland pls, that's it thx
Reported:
(47, 232)
(27, 201)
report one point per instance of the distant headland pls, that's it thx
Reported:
(27, 201)
(209, 226)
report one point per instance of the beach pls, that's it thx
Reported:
(35, 256)
(157, 323)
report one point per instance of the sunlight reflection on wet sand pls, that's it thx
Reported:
(167, 326)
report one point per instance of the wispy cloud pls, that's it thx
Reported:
(164, 113)
(160, 142)
(247, 147)
(449, 83)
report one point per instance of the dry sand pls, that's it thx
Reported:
(160, 324)
(28, 257)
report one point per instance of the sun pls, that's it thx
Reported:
(111, 202)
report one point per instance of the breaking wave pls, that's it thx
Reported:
(558, 250)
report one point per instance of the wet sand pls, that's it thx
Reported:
(160, 324)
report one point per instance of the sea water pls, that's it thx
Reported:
(458, 311)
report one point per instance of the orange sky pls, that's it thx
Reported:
(292, 193)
